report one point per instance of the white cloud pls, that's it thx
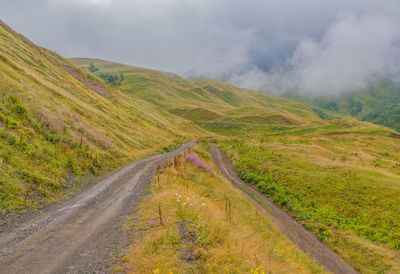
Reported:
(93, 2)
(353, 52)
(263, 44)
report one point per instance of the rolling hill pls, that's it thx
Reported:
(215, 106)
(333, 175)
(58, 121)
(64, 119)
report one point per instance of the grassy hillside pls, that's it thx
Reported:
(379, 104)
(207, 227)
(58, 121)
(215, 106)
(339, 177)
(166, 90)
(341, 181)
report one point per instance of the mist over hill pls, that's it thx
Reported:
(65, 122)
(312, 47)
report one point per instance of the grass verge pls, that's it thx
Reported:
(193, 221)
(344, 188)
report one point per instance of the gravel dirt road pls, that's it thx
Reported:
(295, 231)
(78, 234)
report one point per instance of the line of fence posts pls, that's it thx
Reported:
(176, 165)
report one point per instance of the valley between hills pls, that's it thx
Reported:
(100, 173)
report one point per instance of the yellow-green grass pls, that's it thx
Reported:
(342, 183)
(240, 97)
(213, 105)
(208, 227)
(58, 121)
(164, 89)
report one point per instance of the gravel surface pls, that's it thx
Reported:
(80, 233)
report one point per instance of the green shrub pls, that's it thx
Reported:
(26, 147)
(52, 138)
(95, 167)
(13, 124)
(12, 140)
(70, 164)
(13, 99)
(92, 68)
(4, 133)
(19, 109)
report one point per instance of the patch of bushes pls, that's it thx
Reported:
(114, 80)
(95, 167)
(12, 124)
(92, 68)
(4, 133)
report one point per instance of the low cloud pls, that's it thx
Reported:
(353, 53)
(313, 46)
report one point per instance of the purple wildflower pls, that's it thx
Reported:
(192, 158)
(57, 126)
(75, 117)
(106, 142)
(153, 221)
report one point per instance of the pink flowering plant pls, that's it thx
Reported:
(192, 158)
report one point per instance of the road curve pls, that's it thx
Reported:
(295, 231)
(74, 235)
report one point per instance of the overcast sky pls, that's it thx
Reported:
(317, 46)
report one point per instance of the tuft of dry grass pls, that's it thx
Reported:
(207, 227)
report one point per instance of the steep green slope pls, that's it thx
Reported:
(379, 104)
(216, 106)
(58, 121)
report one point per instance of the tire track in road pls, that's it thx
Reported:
(304, 239)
